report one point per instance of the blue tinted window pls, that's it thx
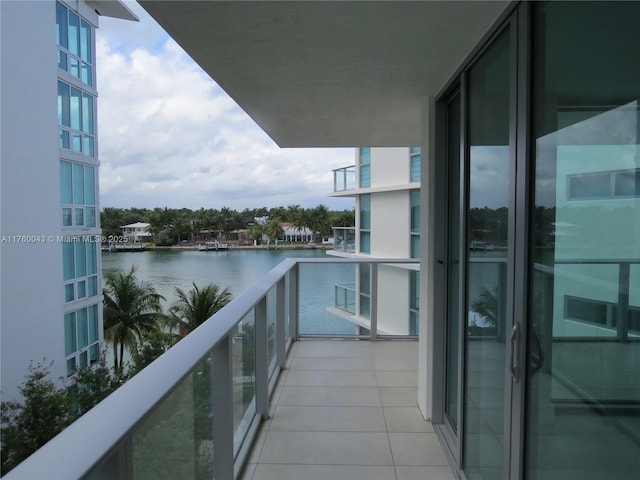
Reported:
(68, 262)
(365, 212)
(70, 333)
(416, 160)
(365, 156)
(64, 115)
(65, 183)
(61, 25)
(365, 242)
(365, 176)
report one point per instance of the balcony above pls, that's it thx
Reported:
(328, 74)
(344, 179)
(344, 239)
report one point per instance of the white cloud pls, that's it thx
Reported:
(169, 136)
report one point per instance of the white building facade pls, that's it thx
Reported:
(385, 183)
(51, 303)
(136, 233)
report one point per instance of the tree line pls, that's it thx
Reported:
(173, 225)
(134, 321)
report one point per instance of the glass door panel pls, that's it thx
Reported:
(583, 399)
(487, 252)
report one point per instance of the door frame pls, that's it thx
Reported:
(518, 18)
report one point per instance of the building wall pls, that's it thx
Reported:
(31, 302)
(389, 166)
(36, 226)
(390, 224)
(389, 230)
(393, 300)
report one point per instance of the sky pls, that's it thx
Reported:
(169, 136)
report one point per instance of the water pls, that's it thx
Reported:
(237, 270)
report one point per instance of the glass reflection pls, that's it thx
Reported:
(583, 384)
(487, 251)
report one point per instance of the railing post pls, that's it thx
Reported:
(374, 302)
(261, 345)
(222, 404)
(546, 327)
(623, 302)
(281, 337)
(294, 284)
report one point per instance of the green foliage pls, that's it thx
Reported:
(153, 344)
(194, 307)
(487, 304)
(170, 226)
(131, 309)
(92, 384)
(28, 425)
(273, 230)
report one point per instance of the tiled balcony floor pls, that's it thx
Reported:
(348, 410)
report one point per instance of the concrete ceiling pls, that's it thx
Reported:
(327, 73)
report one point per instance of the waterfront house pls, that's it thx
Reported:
(137, 232)
(295, 234)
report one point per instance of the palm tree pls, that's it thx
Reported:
(301, 221)
(273, 230)
(131, 309)
(319, 220)
(256, 232)
(194, 307)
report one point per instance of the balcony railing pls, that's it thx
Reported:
(194, 412)
(344, 239)
(345, 297)
(344, 178)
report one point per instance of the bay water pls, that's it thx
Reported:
(237, 270)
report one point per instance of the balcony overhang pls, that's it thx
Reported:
(329, 74)
(113, 9)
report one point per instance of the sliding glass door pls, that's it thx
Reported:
(541, 375)
(583, 415)
(488, 254)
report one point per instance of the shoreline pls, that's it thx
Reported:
(194, 247)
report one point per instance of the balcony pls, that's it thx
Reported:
(344, 179)
(252, 394)
(345, 410)
(345, 297)
(344, 239)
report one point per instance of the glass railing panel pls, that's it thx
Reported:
(344, 239)
(634, 301)
(271, 329)
(344, 179)
(176, 439)
(318, 316)
(345, 297)
(243, 378)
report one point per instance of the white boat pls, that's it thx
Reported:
(214, 245)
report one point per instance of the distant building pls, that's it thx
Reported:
(51, 305)
(295, 234)
(137, 232)
(385, 183)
